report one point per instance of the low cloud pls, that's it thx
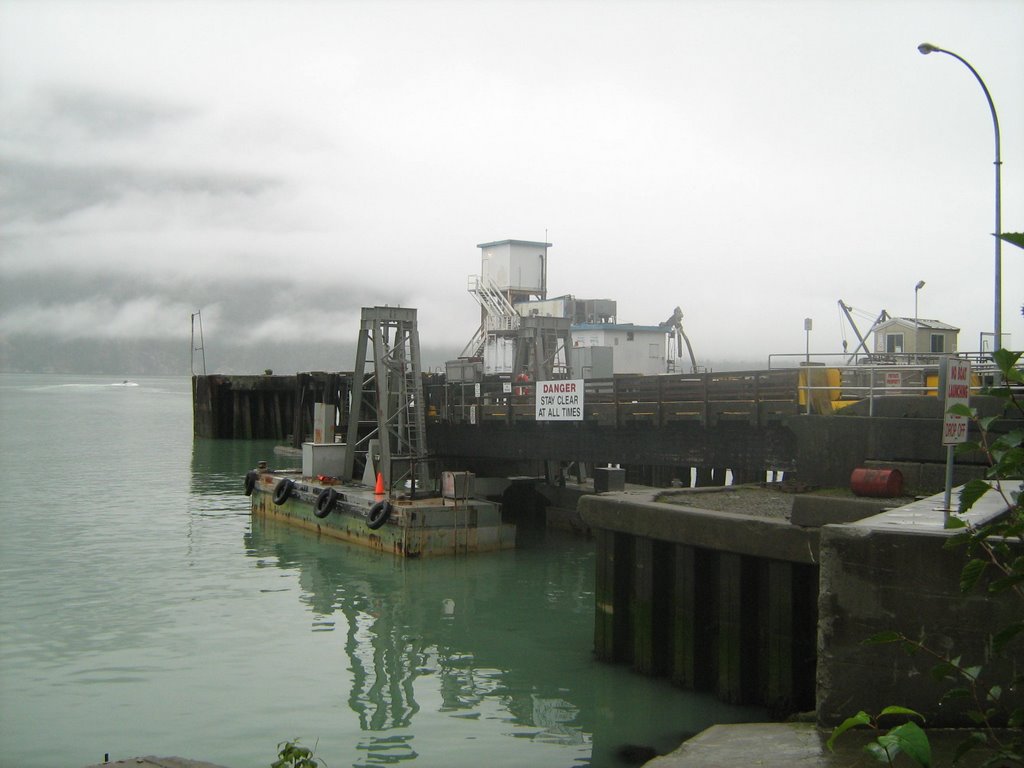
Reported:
(98, 318)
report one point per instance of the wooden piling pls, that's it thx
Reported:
(776, 646)
(642, 604)
(604, 595)
(737, 629)
(683, 616)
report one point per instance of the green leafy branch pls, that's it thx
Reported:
(969, 684)
(291, 755)
(995, 551)
(907, 737)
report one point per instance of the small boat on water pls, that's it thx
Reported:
(398, 503)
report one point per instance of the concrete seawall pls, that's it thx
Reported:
(768, 612)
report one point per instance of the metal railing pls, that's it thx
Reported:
(758, 397)
(873, 376)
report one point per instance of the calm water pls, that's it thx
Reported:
(143, 611)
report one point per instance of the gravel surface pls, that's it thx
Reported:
(742, 500)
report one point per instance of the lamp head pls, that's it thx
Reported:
(919, 286)
(926, 48)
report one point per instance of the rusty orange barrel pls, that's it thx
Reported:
(882, 483)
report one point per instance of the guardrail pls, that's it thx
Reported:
(754, 397)
(874, 376)
(750, 396)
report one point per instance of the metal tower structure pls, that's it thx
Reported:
(392, 398)
(543, 348)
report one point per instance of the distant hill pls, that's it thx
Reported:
(137, 357)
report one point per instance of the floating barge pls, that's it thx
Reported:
(409, 527)
(380, 488)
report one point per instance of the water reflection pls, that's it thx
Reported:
(459, 627)
(504, 638)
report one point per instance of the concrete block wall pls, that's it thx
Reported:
(892, 573)
(732, 604)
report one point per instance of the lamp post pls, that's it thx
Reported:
(808, 323)
(926, 48)
(917, 288)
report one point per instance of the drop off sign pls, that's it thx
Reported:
(958, 392)
(560, 400)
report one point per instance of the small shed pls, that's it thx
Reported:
(910, 336)
(635, 348)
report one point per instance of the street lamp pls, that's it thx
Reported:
(808, 325)
(918, 287)
(926, 48)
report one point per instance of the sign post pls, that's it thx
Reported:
(957, 391)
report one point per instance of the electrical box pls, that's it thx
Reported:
(609, 479)
(323, 459)
(457, 485)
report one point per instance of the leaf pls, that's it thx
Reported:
(1013, 238)
(986, 422)
(861, 718)
(959, 409)
(971, 673)
(880, 752)
(913, 741)
(883, 637)
(1005, 635)
(970, 446)
(1012, 438)
(959, 539)
(944, 671)
(1007, 362)
(971, 573)
(953, 522)
(895, 710)
(972, 491)
(977, 717)
(1001, 585)
(976, 739)
(955, 693)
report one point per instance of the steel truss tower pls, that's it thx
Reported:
(392, 395)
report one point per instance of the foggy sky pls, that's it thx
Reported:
(277, 165)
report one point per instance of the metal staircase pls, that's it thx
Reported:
(498, 313)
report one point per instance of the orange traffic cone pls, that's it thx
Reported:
(379, 490)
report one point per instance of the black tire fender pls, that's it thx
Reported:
(283, 491)
(326, 501)
(250, 481)
(379, 514)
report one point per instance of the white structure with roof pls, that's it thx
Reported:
(905, 335)
(515, 312)
(635, 348)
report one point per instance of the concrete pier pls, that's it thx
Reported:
(760, 610)
(716, 601)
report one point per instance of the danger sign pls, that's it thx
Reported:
(560, 400)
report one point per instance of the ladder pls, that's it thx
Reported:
(393, 395)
